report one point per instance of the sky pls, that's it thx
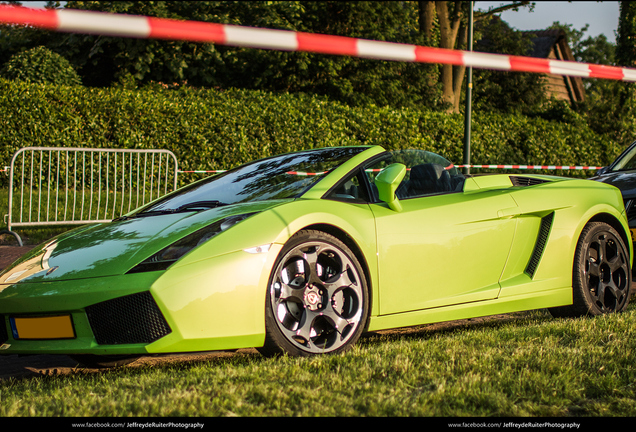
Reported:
(602, 16)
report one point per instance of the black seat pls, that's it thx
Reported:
(427, 179)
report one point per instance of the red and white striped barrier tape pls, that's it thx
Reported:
(533, 167)
(515, 167)
(108, 24)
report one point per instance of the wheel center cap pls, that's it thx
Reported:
(312, 298)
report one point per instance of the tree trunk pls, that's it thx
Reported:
(427, 17)
(459, 71)
(448, 28)
(453, 35)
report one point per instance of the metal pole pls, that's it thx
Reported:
(469, 94)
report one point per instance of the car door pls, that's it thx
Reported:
(444, 247)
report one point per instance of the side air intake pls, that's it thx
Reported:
(526, 181)
(539, 246)
(131, 319)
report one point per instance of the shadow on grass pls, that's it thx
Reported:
(452, 327)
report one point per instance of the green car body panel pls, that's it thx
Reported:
(426, 259)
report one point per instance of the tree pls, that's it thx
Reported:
(626, 47)
(505, 91)
(611, 105)
(104, 61)
(451, 17)
(40, 65)
(626, 38)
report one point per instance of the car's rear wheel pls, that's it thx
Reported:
(601, 276)
(317, 299)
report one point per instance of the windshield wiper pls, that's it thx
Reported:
(199, 205)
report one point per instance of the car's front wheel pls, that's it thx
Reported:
(317, 299)
(601, 276)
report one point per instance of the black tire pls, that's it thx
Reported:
(317, 298)
(103, 361)
(601, 275)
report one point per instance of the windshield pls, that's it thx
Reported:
(627, 162)
(277, 177)
(412, 158)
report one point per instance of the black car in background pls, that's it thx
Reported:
(622, 174)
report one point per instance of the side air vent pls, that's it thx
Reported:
(526, 181)
(539, 246)
(135, 318)
(4, 333)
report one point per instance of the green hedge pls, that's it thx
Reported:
(211, 129)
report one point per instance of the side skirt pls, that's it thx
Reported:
(541, 300)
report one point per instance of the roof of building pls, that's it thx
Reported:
(544, 41)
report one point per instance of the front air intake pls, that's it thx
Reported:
(539, 246)
(132, 319)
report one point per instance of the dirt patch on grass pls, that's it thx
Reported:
(21, 367)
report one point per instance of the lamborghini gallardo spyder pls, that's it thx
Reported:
(301, 253)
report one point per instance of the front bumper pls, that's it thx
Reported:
(211, 304)
(108, 315)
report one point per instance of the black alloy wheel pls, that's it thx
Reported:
(601, 275)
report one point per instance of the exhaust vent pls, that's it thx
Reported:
(526, 181)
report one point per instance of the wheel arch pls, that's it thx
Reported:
(616, 224)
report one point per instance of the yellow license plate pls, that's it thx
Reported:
(50, 327)
(633, 231)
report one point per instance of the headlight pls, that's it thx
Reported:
(169, 255)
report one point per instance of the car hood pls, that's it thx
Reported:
(624, 180)
(114, 248)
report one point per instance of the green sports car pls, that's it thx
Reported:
(301, 253)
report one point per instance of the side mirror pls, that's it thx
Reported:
(387, 183)
(602, 170)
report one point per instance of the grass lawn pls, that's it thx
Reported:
(529, 366)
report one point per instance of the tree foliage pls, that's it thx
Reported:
(610, 106)
(452, 20)
(626, 37)
(105, 61)
(40, 65)
(503, 91)
(130, 63)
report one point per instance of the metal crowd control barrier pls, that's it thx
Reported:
(73, 186)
